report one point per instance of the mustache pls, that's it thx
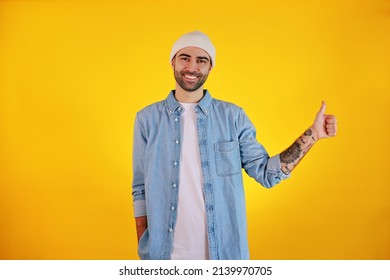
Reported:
(192, 73)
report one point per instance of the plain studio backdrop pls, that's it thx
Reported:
(73, 74)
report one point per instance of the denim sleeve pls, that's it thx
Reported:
(139, 145)
(255, 159)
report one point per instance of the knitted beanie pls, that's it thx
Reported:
(194, 39)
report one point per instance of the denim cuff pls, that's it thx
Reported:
(275, 166)
(139, 208)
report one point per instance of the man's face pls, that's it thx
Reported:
(191, 68)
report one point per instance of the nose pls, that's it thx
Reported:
(192, 65)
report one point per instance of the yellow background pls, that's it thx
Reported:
(74, 73)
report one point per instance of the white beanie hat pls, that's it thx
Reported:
(194, 39)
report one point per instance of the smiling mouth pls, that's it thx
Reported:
(190, 77)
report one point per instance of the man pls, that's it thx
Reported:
(188, 153)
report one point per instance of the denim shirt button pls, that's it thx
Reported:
(170, 230)
(174, 185)
(172, 208)
(177, 141)
(176, 119)
(174, 163)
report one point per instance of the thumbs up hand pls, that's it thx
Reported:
(324, 125)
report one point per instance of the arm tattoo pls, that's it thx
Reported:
(292, 156)
(308, 132)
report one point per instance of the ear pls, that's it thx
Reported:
(173, 62)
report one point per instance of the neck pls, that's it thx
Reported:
(188, 96)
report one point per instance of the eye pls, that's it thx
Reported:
(185, 58)
(202, 61)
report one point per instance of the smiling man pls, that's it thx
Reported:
(188, 154)
(188, 80)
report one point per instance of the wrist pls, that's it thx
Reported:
(313, 133)
(141, 221)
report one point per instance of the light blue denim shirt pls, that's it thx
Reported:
(227, 142)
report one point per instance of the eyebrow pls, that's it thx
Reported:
(198, 57)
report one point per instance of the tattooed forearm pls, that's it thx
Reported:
(292, 155)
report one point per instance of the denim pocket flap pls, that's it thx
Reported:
(227, 157)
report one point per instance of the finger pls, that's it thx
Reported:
(329, 125)
(332, 133)
(323, 108)
(330, 119)
(331, 130)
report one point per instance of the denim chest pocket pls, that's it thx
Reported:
(227, 158)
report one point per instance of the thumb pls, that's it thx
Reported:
(323, 108)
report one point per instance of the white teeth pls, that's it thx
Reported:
(190, 77)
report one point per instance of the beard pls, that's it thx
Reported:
(190, 86)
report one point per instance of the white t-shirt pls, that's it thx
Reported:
(190, 235)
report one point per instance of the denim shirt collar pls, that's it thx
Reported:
(204, 104)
